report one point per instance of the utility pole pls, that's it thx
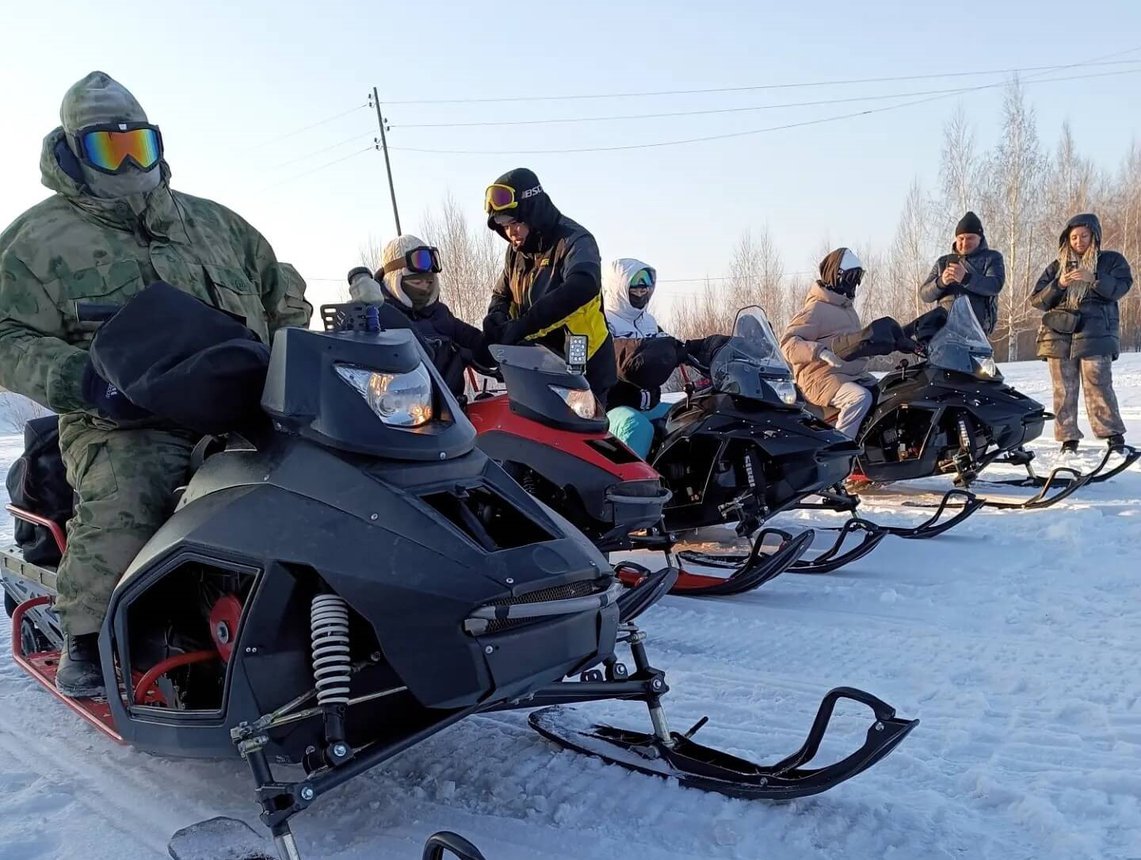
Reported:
(382, 145)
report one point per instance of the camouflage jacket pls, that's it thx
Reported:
(76, 247)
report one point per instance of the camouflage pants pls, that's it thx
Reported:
(124, 480)
(1096, 376)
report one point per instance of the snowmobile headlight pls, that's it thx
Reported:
(785, 389)
(397, 399)
(581, 401)
(985, 366)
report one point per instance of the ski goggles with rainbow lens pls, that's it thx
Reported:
(499, 198)
(110, 148)
(418, 261)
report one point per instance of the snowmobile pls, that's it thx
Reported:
(743, 449)
(551, 435)
(354, 575)
(953, 414)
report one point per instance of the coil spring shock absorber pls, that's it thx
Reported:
(332, 669)
(964, 434)
(528, 482)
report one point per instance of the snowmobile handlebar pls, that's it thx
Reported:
(95, 312)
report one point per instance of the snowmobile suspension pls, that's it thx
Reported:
(332, 670)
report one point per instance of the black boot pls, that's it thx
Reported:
(1116, 443)
(80, 675)
(1070, 446)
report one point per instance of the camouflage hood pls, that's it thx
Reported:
(156, 211)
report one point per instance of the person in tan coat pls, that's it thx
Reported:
(828, 348)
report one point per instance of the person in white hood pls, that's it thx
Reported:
(646, 355)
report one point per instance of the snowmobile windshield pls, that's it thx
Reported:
(961, 344)
(750, 364)
(534, 358)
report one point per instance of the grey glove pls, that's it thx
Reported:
(363, 287)
(830, 358)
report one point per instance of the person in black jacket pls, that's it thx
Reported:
(409, 270)
(1079, 336)
(551, 283)
(972, 270)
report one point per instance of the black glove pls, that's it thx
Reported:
(702, 349)
(108, 399)
(926, 326)
(512, 333)
(879, 337)
(493, 325)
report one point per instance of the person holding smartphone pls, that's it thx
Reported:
(971, 269)
(1079, 337)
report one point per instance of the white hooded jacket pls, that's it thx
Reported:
(622, 318)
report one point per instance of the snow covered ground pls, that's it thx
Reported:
(1015, 639)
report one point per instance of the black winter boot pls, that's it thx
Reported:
(80, 674)
(1116, 443)
(1070, 446)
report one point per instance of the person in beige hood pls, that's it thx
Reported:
(829, 349)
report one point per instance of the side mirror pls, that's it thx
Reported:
(576, 353)
(446, 842)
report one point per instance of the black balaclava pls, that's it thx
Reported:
(637, 302)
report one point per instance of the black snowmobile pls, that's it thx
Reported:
(744, 449)
(953, 414)
(551, 435)
(352, 576)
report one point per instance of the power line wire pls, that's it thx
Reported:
(321, 151)
(321, 167)
(750, 88)
(312, 125)
(750, 132)
(706, 112)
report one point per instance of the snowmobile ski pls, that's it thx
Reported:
(698, 766)
(219, 838)
(644, 588)
(1057, 476)
(750, 570)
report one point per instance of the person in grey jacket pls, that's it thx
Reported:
(1079, 336)
(972, 270)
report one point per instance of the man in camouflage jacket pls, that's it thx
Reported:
(101, 237)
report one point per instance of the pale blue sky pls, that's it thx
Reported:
(229, 82)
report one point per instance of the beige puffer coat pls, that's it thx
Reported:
(824, 317)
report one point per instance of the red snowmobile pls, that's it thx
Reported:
(354, 575)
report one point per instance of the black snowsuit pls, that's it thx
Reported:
(551, 286)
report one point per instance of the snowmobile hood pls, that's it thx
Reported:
(616, 278)
(1086, 219)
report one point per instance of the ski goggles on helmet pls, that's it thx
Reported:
(112, 147)
(499, 198)
(418, 261)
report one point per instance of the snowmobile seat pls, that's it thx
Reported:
(42, 500)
